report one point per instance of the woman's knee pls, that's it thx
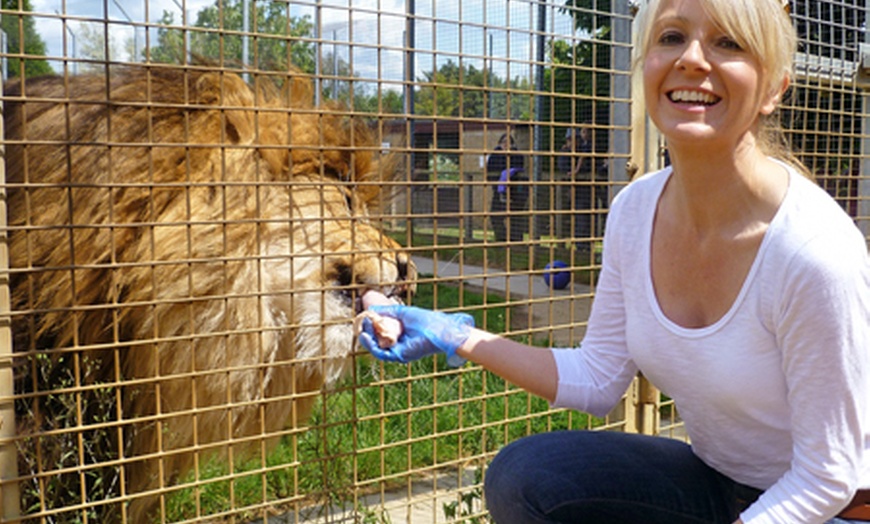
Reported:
(502, 480)
(526, 478)
(506, 485)
(567, 476)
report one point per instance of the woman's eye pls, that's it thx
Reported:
(729, 43)
(670, 37)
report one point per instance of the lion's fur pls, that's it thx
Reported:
(162, 231)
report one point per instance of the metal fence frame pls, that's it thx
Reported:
(833, 67)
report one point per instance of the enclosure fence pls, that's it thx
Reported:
(196, 193)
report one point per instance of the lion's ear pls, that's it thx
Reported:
(231, 92)
(298, 92)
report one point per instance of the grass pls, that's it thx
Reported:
(372, 432)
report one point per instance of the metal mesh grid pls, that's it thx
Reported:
(285, 243)
(826, 116)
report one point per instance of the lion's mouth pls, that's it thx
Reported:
(350, 287)
(398, 294)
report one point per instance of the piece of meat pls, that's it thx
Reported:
(387, 329)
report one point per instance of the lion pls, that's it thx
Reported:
(187, 254)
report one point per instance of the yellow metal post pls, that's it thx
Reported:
(648, 407)
(9, 501)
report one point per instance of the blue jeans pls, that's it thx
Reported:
(609, 478)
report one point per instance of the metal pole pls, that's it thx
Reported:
(538, 146)
(246, 30)
(185, 36)
(72, 37)
(863, 218)
(318, 46)
(621, 89)
(410, 43)
(135, 32)
(5, 62)
(489, 80)
(9, 500)
(334, 64)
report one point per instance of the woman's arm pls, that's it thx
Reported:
(821, 324)
(531, 368)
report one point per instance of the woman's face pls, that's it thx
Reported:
(698, 82)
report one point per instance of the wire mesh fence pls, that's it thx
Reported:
(197, 193)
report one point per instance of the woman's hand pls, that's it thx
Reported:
(424, 333)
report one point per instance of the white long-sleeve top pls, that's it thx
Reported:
(776, 393)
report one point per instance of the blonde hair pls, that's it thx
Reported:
(765, 30)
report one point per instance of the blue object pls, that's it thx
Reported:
(424, 333)
(555, 278)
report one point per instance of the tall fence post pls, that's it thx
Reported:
(9, 502)
(863, 196)
(647, 407)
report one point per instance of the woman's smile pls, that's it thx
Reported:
(693, 97)
(700, 83)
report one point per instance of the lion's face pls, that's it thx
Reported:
(215, 239)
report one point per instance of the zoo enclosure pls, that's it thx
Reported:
(439, 82)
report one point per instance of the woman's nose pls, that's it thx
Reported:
(693, 56)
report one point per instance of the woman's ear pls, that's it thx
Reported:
(776, 94)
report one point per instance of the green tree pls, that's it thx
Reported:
(510, 99)
(22, 38)
(590, 16)
(581, 68)
(369, 99)
(445, 91)
(466, 91)
(392, 101)
(274, 43)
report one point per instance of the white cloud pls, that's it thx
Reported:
(368, 33)
(59, 22)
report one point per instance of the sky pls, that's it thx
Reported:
(445, 30)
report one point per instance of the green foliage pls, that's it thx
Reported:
(580, 70)
(470, 504)
(446, 92)
(279, 43)
(22, 38)
(590, 16)
(466, 91)
(276, 47)
(444, 167)
(65, 449)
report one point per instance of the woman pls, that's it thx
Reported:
(731, 281)
(504, 165)
(579, 166)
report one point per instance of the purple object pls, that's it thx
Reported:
(505, 176)
(554, 278)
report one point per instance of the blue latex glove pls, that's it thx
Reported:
(424, 333)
